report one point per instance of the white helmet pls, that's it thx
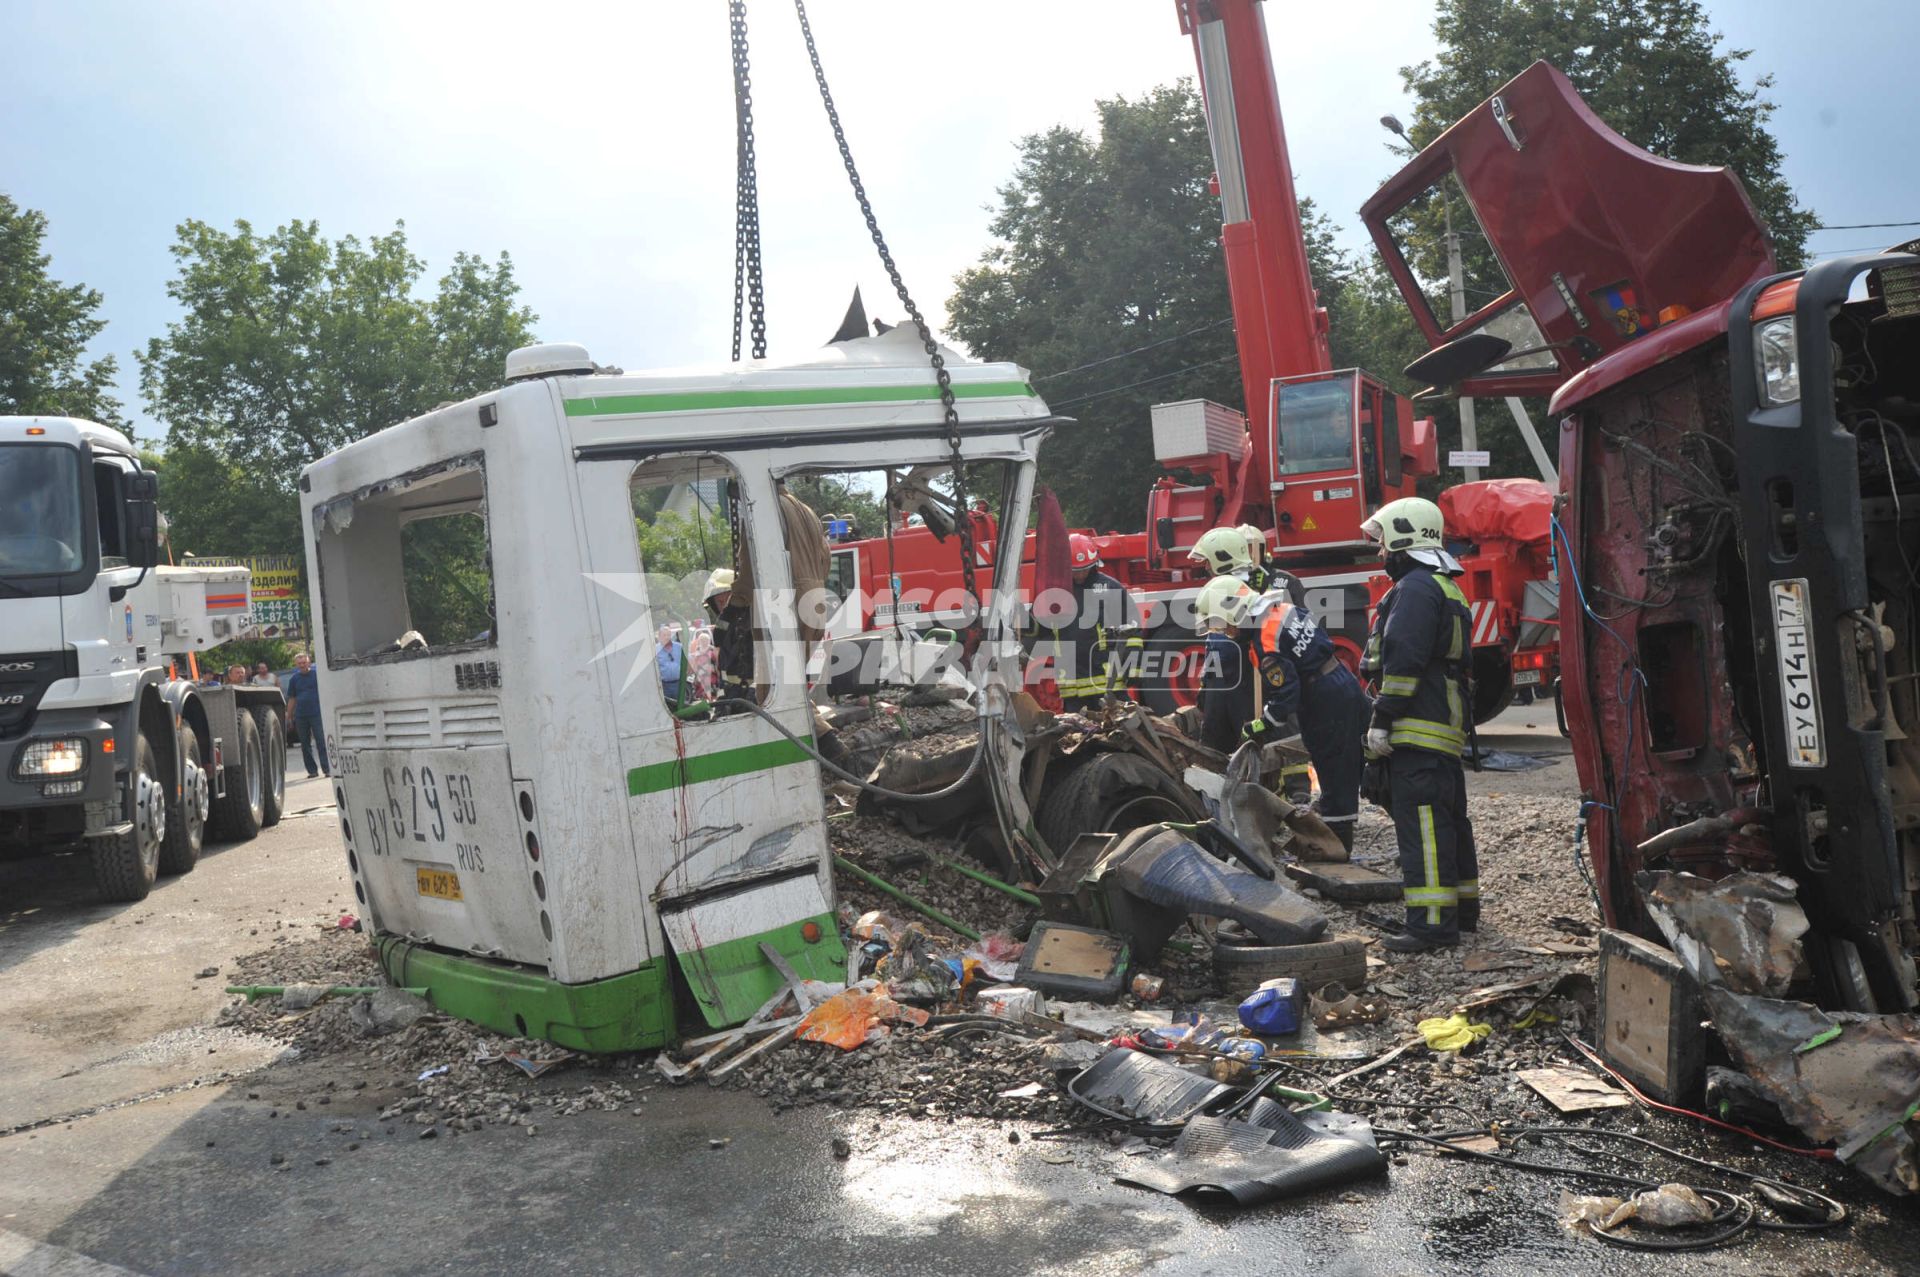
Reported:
(1223, 603)
(1256, 540)
(1415, 527)
(719, 581)
(1221, 550)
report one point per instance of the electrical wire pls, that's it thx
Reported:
(1145, 381)
(1593, 1058)
(1864, 226)
(947, 791)
(1152, 345)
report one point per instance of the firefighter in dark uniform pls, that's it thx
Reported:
(1099, 647)
(1226, 551)
(1305, 682)
(1226, 687)
(1417, 653)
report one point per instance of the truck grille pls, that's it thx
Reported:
(24, 679)
(449, 724)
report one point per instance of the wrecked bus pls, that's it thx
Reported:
(542, 827)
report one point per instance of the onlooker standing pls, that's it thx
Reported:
(667, 658)
(303, 714)
(236, 676)
(263, 675)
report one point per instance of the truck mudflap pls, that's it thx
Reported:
(716, 937)
(1822, 721)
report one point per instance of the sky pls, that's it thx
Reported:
(594, 142)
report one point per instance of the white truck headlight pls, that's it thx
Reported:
(60, 756)
(1776, 361)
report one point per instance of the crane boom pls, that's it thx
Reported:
(1280, 326)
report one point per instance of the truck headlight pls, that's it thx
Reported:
(1776, 361)
(61, 756)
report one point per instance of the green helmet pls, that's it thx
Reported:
(1223, 603)
(1222, 550)
(1411, 523)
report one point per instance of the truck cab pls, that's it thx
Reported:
(100, 743)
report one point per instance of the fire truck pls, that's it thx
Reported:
(1318, 449)
(1736, 520)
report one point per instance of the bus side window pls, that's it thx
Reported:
(684, 518)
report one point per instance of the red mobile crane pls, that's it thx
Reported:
(1317, 450)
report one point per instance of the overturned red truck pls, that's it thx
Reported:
(1739, 527)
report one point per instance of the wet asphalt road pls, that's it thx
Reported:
(188, 1182)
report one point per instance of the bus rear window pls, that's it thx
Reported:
(421, 575)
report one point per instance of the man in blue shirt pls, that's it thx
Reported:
(303, 713)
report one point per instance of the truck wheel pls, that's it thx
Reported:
(273, 765)
(124, 865)
(1492, 682)
(187, 816)
(1109, 793)
(237, 816)
(1241, 968)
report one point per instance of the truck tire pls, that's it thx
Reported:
(1492, 683)
(273, 765)
(237, 816)
(1109, 793)
(1241, 968)
(187, 814)
(125, 865)
(1180, 686)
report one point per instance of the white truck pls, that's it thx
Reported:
(556, 829)
(101, 741)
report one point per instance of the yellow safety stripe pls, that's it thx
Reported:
(1455, 715)
(1092, 685)
(1469, 888)
(1399, 685)
(1451, 588)
(1457, 649)
(1430, 863)
(1446, 897)
(1427, 735)
(1296, 769)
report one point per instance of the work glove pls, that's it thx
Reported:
(1379, 744)
(1376, 786)
(1256, 730)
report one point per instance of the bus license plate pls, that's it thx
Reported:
(1799, 689)
(441, 884)
(1526, 678)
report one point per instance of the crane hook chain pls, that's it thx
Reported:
(949, 409)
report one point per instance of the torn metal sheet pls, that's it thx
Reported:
(1845, 1079)
(715, 939)
(1742, 931)
(1254, 1164)
(1133, 1086)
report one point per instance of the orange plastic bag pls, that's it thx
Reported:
(845, 1019)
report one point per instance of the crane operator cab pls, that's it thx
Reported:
(547, 823)
(1345, 446)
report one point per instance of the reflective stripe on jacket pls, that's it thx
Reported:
(1417, 651)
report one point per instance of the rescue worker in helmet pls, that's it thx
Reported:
(1226, 551)
(1226, 688)
(1417, 655)
(1097, 648)
(732, 634)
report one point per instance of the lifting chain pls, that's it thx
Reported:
(747, 280)
(949, 410)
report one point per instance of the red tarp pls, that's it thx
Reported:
(1499, 509)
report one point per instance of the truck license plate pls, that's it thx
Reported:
(1799, 688)
(1526, 678)
(442, 884)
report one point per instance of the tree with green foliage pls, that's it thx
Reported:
(44, 330)
(292, 346)
(1654, 70)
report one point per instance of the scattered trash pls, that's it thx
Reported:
(1148, 988)
(1451, 1033)
(1742, 931)
(841, 1149)
(385, 1010)
(1345, 881)
(347, 923)
(1274, 1008)
(848, 1018)
(1485, 960)
(1074, 961)
(537, 1067)
(425, 1074)
(1026, 1092)
(1264, 1159)
(1573, 1090)
(1333, 1007)
(1669, 1206)
(1010, 1001)
(208, 973)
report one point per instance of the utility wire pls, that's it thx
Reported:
(1152, 345)
(1865, 226)
(1144, 381)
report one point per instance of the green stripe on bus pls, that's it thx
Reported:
(677, 773)
(694, 400)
